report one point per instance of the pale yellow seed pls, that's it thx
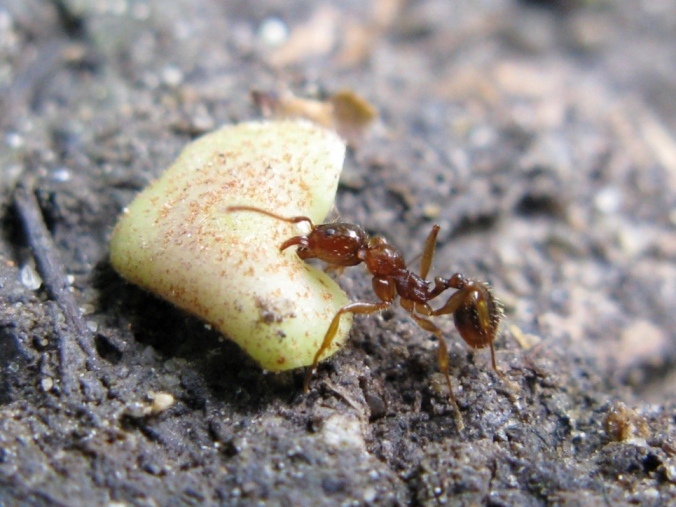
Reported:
(177, 240)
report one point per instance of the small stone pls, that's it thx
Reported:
(670, 471)
(161, 402)
(341, 431)
(47, 384)
(30, 278)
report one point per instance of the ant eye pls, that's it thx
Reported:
(330, 232)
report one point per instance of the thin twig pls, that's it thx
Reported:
(54, 277)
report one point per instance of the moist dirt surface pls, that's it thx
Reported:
(540, 136)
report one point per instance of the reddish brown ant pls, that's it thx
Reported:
(475, 310)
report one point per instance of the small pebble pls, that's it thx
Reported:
(161, 402)
(273, 32)
(47, 384)
(30, 278)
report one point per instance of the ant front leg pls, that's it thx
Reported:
(475, 310)
(354, 308)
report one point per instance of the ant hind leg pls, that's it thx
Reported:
(495, 364)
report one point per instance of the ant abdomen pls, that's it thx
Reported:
(470, 317)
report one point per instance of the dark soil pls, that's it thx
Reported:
(541, 136)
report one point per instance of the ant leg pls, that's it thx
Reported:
(467, 289)
(461, 297)
(453, 303)
(354, 308)
(495, 365)
(443, 361)
(428, 252)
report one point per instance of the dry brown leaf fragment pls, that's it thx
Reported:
(345, 112)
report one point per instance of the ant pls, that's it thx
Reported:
(476, 312)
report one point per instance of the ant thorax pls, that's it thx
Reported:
(382, 259)
(412, 287)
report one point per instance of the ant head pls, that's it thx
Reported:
(337, 244)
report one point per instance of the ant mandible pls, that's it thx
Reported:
(476, 312)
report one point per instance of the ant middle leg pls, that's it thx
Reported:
(354, 308)
(440, 284)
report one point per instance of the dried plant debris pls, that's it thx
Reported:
(344, 111)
